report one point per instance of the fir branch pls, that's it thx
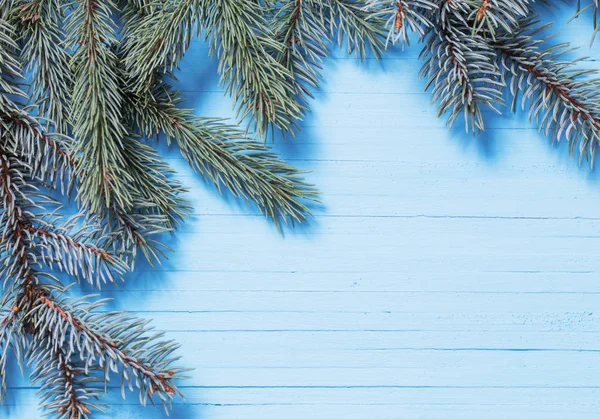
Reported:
(133, 231)
(45, 58)
(82, 260)
(240, 37)
(562, 104)
(158, 206)
(29, 158)
(10, 69)
(158, 203)
(204, 145)
(223, 154)
(461, 67)
(28, 238)
(110, 341)
(404, 15)
(16, 259)
(45, 154)
(358, 26)
(300, 25)
(28, 155)
(158, 193)
(154, 202)
(66, 389)
(96, 108)
(155, 42)
(489, 16)
(305, 28)
(157, 35)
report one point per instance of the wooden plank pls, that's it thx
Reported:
(356, 403)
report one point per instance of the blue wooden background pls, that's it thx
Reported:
(444, 276)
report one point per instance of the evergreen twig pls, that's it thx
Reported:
(225, 156)
(461, 67)
(46, 59)
(96, 108)
(562, 104)
(239, 36)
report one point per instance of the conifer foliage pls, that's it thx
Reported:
(85, 83)
(478, 53)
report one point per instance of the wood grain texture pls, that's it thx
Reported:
(444, 275)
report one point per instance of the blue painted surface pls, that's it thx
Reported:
(444, 276)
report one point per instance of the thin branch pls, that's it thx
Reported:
(117, 344)
(461, 67)
(562, 104)
(225, 156)
(46, 59)
(96, 108)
